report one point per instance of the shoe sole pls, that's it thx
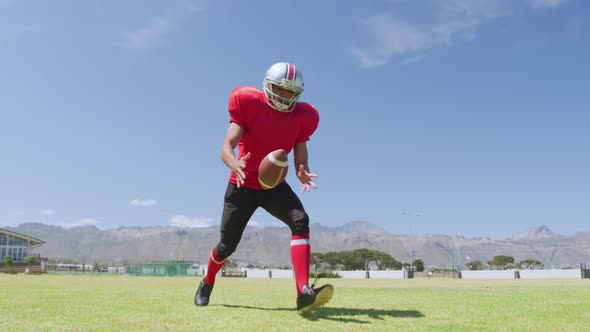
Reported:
(201, 304)
(321, 298)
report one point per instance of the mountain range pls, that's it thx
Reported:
(270, 245)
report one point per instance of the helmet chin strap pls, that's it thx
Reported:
(282, 107)
(277, 105)
(277, 102)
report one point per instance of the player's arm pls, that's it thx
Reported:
(302, 167)
(232, 137)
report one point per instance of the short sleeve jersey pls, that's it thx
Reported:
(266, 129)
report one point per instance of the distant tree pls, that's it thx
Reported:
(97, 266)
(386, 261)
(316, 260)
(51, 262)
(393, 264)
(359, 259)
(501, 262)
(231, 264)
(333, 260)
(8, 261)
(475, 265)
(30, 260)
(363, 257)
(530, 264)
(419, 265)
(350, 261)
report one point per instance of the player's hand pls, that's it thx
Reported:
(305, 178)
(237, 169)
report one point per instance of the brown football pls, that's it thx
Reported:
(273, 169)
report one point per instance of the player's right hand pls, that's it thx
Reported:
(237, 169)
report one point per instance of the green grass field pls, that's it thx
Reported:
(114, 303)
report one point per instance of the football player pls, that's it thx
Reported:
(261, 122)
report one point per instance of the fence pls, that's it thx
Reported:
(288, 274)
(22, 268)
(527, 274)
(159, 269)
(464, 274)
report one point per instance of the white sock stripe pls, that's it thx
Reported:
(216, 262)
(277, 162)
(299, 242)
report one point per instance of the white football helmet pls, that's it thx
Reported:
(287, 76)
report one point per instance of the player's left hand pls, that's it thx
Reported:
(305, 178)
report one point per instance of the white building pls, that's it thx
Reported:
(16, 245)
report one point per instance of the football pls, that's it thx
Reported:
(273, 169)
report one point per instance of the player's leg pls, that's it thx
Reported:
(239, 205)
(284, 204)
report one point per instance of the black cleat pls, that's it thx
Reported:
(203, 293)
(311, 298)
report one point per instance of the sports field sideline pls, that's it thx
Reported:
(125, 303)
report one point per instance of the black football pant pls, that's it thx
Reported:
(240, 204)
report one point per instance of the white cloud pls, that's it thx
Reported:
(143, 202)
(387, 36)
(390, 37)
(49, 212)
(79, 223)
(537, 4)
(152, 32)
(184, 221)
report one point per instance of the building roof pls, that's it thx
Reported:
(33, 241)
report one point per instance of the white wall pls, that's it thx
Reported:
(288, 274)
(505, 274)
(399, 274)
(256, 273)
(282, 274)
(386, 274)
(550, 274)
(351, 274)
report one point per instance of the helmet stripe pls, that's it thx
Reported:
(291, 72)
(286, 70)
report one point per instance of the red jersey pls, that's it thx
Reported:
(266, 129)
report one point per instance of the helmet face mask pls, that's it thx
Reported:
(286, 76)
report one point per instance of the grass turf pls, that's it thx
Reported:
(113, 303)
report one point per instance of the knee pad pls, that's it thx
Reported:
(223, 251)
(300, 224)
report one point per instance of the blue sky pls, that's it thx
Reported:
(458, 117)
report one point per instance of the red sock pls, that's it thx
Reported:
(300, 251)
(215, 264)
